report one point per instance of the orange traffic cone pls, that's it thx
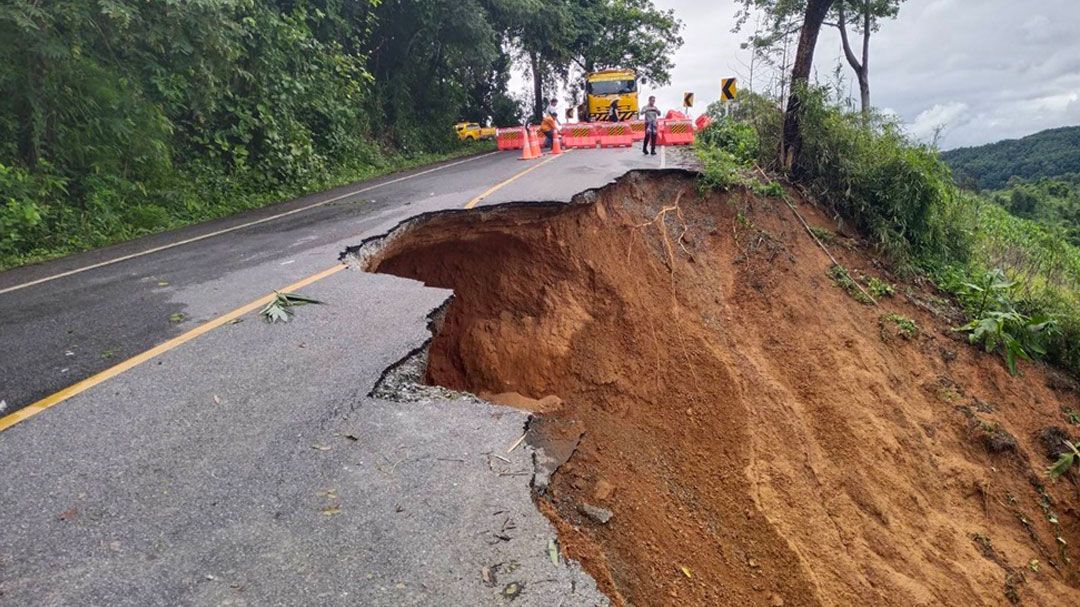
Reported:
(556, 145)
(536, 146)
(527, 149)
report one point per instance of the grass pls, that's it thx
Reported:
(905, 326)
(825, 236)
(843, 279)
(118, 212)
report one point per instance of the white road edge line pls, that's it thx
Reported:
(238, 227)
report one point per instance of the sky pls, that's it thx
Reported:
(981, 70)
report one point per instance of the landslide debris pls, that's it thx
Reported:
(755, 436)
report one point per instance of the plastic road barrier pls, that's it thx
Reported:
(511, 138)
(579, 136)
(676, 132)
(615, 135)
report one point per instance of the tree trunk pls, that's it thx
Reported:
(861, 68)
(538, 99)
(864, 73)
(816, 10)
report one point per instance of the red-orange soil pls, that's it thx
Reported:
(761, 437)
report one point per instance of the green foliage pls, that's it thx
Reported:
(895, 191)
(1071, 416)
(904, 325)
(280, 308)
(1015, 335)
(1066, 461)
(879, 288)
(1052, 203)
(996, 324)
(825, 236)
(1051, 153)
(727, 149)
(843, 279)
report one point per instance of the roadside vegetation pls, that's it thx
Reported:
(1017, 280)
(123, 119)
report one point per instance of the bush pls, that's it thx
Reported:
(893, 190)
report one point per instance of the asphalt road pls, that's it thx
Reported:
(56, 333)
(248, 466)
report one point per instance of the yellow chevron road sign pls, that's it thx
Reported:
(728, 89)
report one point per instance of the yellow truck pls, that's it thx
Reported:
(472, 131)
(603, 87)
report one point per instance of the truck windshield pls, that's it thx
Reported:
(611, 87)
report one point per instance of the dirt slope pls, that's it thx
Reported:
(761, 437)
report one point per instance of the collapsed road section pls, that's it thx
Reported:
(726, 426)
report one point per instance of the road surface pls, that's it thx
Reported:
(208, 458)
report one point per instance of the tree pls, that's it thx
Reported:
(785, 14)
(569, 37)
(870, 13)
(862, 17)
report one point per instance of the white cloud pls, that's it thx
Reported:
(938, 118)
(1013, 67)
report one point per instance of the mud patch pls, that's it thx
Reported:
(753, 438)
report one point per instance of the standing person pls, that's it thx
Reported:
(650, 114)
(613, 111)
(553, 109)
(547, 127)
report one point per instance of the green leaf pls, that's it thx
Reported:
(1062, 465)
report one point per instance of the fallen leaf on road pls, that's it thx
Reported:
(513, 590)
(686, 572)
(319, 447)
(329, 494)
(163, 283)
(331, 510)
(351, 437)
(488, 575)
(217, 399)
(553, 551)
(69, 514)
(236, 321)
(280, 308)
(176, 317)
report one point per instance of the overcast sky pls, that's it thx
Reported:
(984, 69)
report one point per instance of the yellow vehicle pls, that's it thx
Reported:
(601, 88)
(472, 131)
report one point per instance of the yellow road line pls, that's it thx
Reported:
(80, 387)
(109, 262)
(59, 397)
(495, 188)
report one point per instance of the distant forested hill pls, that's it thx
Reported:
(1052, 153)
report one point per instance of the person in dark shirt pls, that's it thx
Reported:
(613, 111)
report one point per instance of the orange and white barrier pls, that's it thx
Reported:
(580, 136)
(675, 132)
(615, 135)
(511, 138)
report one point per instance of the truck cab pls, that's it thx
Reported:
(603, 87)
